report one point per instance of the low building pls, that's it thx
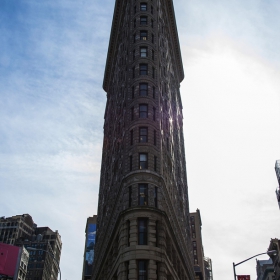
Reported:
(20, 230)
(13, 262)
(265, 269)
(275, 245)
(202, 265)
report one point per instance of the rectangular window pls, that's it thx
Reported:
(133, 72)
(135, 10)
(143, 89)
(142, 232)
(143, 35)
(130, 163)
(154, 113)
(152, 23)
(134, 38)
(154, 92)
(152, 9)
(129, 196)
(143, 111)
(143, 6)
(143, 194)
(127, 270)
(156, 197)
(132, 113)
(155, 163)
(128, 232)
(153, 38)
(154, 72)
(131, 137)
(132, 92)
(142, 270)
(155, 137)
(133, 55)
(143, 51)
(143, 134)
(134, 23)
(153, 55)
(143, 20)
(157, 235)
(143, 69)
(143, 161)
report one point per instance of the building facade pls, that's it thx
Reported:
(20, 230)
(143, 229)
(89, 247)
(202, 265)
(265, 270)
(275, 245)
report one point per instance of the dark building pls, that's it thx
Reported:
(89, 247)
(21, 231)
(202, 265)
(143, 229)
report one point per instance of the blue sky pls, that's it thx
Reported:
(52, 58)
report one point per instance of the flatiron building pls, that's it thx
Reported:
(143, 227)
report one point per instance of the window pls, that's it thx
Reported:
(153, 38)
(157, 235)
(152, 23)
(143, 35)
(127, 270)
(134, 23)
(143, 161)
(156, 197)
(194, 244)
(143, 134)
(143, 20)
(133, 55)
(154, 113)
(143, 194)
(143, 111)
(142, 270)
(194, 252)
(153, 55)
(143, 6)
(142, 232)
(152, 9)
(155, 137)
(143, 69)
(132, 113)
(134, 9)
(130, 163)
(154, 72)
(143, 51)
(133, 72)
(131, 137)
(134, 38)
(128, 232)
(143, 89)
(133, 92)
(129, 196)
(154, 92)
(155, 163)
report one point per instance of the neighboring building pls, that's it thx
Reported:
(208, 269)
(265, 270)
(143, 229)
(89, 247)
(277, 170)
(21, 231)
(202, 265)
(275, 245)
(13, 262)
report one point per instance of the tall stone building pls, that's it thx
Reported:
(143, 227)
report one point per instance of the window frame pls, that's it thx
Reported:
(143, 7)
(143, 69)
(142, 36)
(142, 90)
(142, 225)
(143, 163)
(143, 199)
(143, 137)
(143, 51)
(143, 20)
(143, 114)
